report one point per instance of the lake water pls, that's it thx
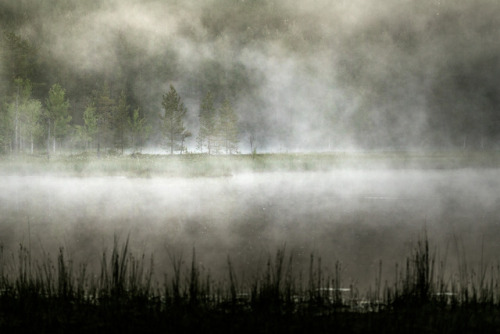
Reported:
(358, 217)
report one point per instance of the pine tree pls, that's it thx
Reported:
(207, 117)
(228, 128)
(139, 131)
(174, 131)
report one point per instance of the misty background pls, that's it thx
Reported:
(309, 76)
(360, 218)
(314, 75)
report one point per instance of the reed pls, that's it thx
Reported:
(57, 293)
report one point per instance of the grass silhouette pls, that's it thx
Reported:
(57, 295)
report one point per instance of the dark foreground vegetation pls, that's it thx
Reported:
(148, 165)
(55, 295)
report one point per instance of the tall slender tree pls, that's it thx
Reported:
(105, 107)
(228, 128)
(185, 135)
(172, 119)
(87, 133)
(31, 111)
(26, 113)
(57, 113)
(5, 129)
(120, 122)
(207, 118)
(139, 130)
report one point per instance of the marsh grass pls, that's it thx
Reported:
(202, 165)
(57, 295)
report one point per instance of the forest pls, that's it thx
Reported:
(94, 76)
(249, 166)
(110, 126)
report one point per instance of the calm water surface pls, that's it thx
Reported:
(357, 217)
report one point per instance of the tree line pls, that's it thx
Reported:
(109, 124)
(398, 95)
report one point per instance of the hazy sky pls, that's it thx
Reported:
(311, 74)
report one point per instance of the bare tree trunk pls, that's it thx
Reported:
(122, 139)
(171, 137)
(54, 146)
(48, 141)
(98, 139)
(251, 140)
(16, 128)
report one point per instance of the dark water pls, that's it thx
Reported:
(357, 217)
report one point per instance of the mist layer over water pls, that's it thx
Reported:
(358, 217)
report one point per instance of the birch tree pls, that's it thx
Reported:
(58, 114)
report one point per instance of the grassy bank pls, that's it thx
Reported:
(193, 165)
(57, 295)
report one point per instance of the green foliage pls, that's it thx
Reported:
(32, 118)
(90, 119)
(378, 90)
(139, 130)
(207, 118)
(19, 57)
(5, 129)
(56, 103)
(228, 128)
(57, 113)
(195, 165)
(121, 122)
(172, 119)
(105, 108)
(87, 132)
(218, 127)
(22, 117)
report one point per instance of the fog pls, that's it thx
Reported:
(311, 76)
(303, 76)
(358, 217)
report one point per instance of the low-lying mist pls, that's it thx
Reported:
(359, 217)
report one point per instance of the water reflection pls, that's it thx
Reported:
(358, 217)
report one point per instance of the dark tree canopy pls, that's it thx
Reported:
(309, 75)
(174, 131)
